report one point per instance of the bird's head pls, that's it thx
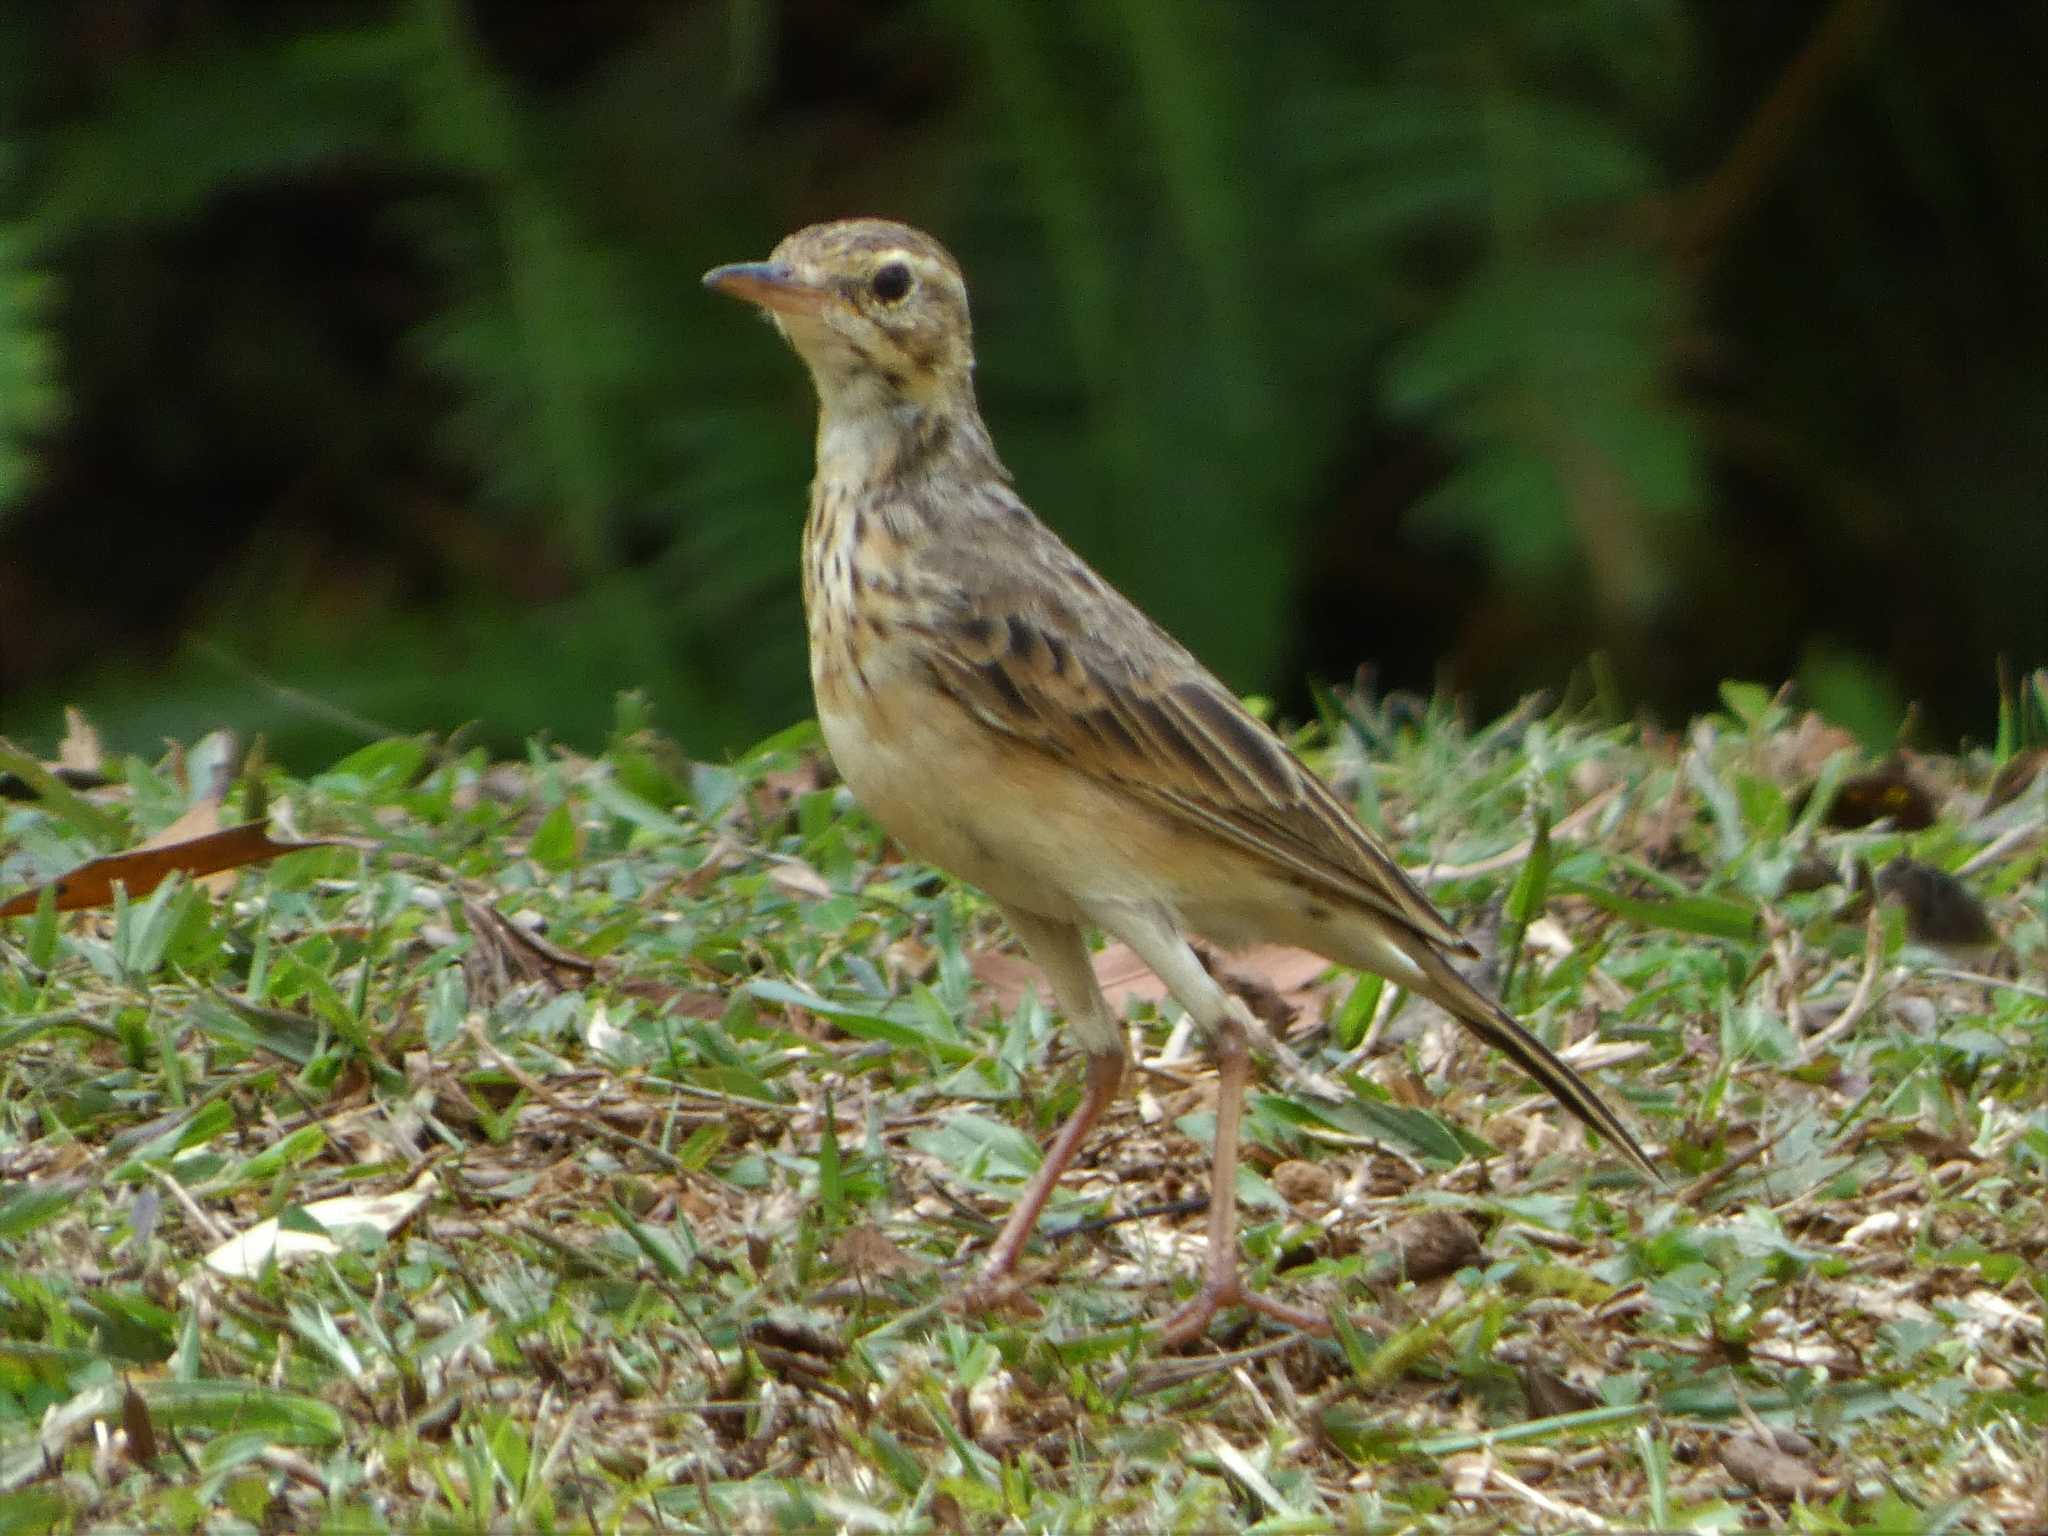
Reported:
(877, 310)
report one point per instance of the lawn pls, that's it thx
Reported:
(592, 1143)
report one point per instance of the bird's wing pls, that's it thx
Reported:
(1046, 651)
(1018, 629)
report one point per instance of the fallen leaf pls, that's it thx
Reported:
(601, 1034)
(215, 754)
(1433, 1245)
(207, 767)
(684, 1002)
(1304, 1185)
(988, 1403)
(135, 1419)
(1661, 841)
(1468, 1473)
(1801, 752)
(1550, 1394)
(1125, 978)
(793, 877)
(1992, 1313)
(1279, 969)
(24, 778)
(142, 869)
(1590, 1053)
(1768, 1470)
(780, 788)
(1277, 975)
(865, 1250)
(14, 787)
(2011, 781)
(244, 1255)
(1278, 981)
(1007, 976)
(909, 959)
(201, 820)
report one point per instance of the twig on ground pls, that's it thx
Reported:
(583, 1117)
(1860, 999)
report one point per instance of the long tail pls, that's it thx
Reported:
(1497, 1027)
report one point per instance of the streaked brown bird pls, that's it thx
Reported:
(1009, 716)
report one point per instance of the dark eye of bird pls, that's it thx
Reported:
(890, 282)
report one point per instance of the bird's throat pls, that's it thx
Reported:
(870, 445)
(881, 448)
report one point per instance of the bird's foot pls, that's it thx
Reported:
(1191, 1319)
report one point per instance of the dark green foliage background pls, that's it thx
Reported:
(354, 369)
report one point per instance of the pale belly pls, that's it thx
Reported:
(1037, 834)
(1040, 834)
(1026, 829)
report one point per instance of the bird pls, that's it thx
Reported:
(1007, 715)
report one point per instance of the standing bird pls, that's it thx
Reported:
(1009, 716)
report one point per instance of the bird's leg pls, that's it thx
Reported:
(1062, 953)
(1160, 946)
(992, 1284)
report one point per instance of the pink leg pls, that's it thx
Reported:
(1222, 1285)
(1104, 1073)
(1152, 933)
(1062, 953)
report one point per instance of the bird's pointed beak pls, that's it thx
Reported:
(771, 284)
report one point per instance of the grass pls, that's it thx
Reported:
(701, 1100)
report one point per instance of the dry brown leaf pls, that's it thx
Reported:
(201, 820)
(865, 1250)
(1288, 973)
(1801, 752)
(1306, 1186)
(142, 869)
(2012, 781)
(135, 1419)
(908, 959)
(780, 788)
(1550, 1394)
(1123, 977)
(793, 877)
(1281, 969)
(1007, 975)
(1277, 980)
(683, 1002)
(1768, 1470)
(1433, 1245)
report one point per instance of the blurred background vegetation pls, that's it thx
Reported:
(354, 372)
